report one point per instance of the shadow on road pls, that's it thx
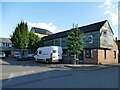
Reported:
(22, 81)
(12, 61)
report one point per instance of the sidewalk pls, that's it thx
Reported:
(91, 67)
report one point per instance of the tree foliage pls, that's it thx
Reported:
(34, 41)
(20, 36)
(75, 41)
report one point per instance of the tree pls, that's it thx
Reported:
(20, 36)
(75, 42)
(34, 41)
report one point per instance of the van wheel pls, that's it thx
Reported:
(47, 61)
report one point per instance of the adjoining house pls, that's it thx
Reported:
(100, 47)
(40, 32)
(7, 48)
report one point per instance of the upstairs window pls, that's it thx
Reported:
(90, 38)
(105, 33)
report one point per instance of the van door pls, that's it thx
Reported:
(39, 53)
(55, 56)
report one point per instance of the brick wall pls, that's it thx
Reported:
(92, 60)
(109, 55)
(99, 56)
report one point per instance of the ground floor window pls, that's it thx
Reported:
(89, 53)
(114, 54)
(104, 54)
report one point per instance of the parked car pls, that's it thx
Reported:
(2, 55)
(30, 57)
(16, 54)
(26, 57)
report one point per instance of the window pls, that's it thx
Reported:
(54, 51)
(89, 53)
(104, 54)
(57, 42)
(40, 52)
(114, 54)
(84, 38)
(104, 33)
(90, 38)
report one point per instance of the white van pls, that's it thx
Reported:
(49, 54)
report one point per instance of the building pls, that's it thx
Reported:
(6, 46)
(118, 42)
(40, 32)
(100, 47)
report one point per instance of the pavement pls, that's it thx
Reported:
(91, 67)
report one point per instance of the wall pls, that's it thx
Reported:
(95, 42)
(92, 60)
(109, 55)
(106, 41)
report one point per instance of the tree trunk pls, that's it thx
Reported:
(75, 59)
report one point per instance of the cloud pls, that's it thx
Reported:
(110, 9)
(48, 26)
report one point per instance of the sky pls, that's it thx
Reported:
(56, 16)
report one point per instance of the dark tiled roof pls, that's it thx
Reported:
(40, 31)
(85, 29)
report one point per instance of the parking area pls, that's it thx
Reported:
(12, 68)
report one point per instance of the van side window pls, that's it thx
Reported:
(54, 51)
(40, 52)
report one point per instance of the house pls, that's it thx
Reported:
(6, 46)
(40, 32)
(100, 47)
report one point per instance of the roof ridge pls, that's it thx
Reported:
(94, 23)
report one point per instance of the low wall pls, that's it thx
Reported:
(68, 60)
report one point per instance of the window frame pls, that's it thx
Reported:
(40, 51)
(90, 52)
(105, 55)
(115, 54)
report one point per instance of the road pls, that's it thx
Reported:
(29, 74)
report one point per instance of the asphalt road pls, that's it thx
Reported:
(29, 74)
(12, 68)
